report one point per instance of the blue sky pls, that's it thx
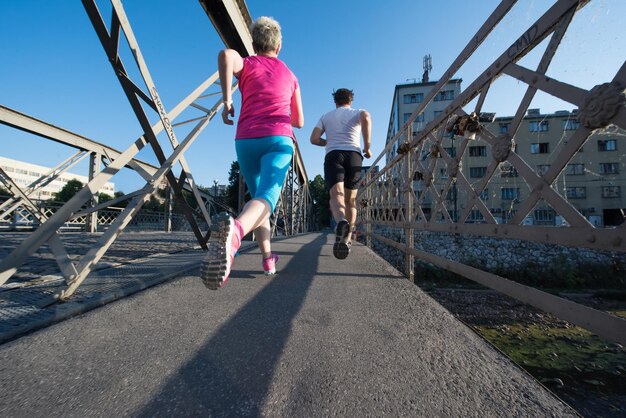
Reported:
(54, 68)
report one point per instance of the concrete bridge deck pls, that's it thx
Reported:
(322, 338)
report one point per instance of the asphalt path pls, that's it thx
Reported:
(324, 337)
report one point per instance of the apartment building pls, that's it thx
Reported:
(406, 99)
(594, 180)
(24, 174)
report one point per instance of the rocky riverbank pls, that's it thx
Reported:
(585, 371)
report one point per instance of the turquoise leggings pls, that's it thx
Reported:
(264, 162)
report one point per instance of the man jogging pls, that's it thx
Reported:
(342, 166)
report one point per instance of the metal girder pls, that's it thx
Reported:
(32, 125)
(236, 14)
(232, 21)
(26, 123)
(47, 231)
(603, 324)
(16, 199)
(392, 197)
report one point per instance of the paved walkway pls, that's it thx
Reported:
(322, 338)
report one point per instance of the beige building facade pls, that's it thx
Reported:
(406, 99)
(24, 174)
(593, 182)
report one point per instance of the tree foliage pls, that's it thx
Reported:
(68, 191)
(232, 190)
(321, 199)
(123, 203)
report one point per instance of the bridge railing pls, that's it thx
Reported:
(231, 22)
(424, 190)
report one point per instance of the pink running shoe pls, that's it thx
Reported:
(225, 240)
(269, 264)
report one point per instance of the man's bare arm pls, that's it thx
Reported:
(366, 130)
(316, 137)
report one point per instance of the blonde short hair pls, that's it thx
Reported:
(266, 36)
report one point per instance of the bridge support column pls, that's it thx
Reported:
(409, 196)
(170, 201)
(91, 221)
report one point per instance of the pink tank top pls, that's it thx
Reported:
(266, 86)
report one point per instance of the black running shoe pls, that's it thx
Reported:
(341, 248)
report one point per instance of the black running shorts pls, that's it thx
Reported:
(343, 166)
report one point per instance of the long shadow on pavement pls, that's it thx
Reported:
(232, 373)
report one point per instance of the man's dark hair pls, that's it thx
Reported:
(343, 96)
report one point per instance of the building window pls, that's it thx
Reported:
(437, 113)
(407, 116)
(477, 172)
(575, 169)
(413, 98)
(607, 144)
(420, 118)
(507, 170)
(510, 193)
(544, 216)
(484, 195)
(538, 126)
(480, 151)
(451, 151)
(444, 95)
(450, 195)
(542, 169)
(443, 173)
(609, 168)
(504, 128)
(8, 169)
(610, 191)
(576, 192)
(570, 124)
(20, 171)
(475, 216)
(539, 148)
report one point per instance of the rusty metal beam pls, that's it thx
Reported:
(231, 20)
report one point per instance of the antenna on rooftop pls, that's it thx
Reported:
(428, 65)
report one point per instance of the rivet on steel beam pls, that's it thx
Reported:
(591, 239)
(617, 241)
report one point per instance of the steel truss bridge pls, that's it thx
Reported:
(389, 199)
(231, 20)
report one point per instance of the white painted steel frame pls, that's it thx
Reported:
(47, 233)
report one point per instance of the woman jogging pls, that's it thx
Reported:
(271, 106)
